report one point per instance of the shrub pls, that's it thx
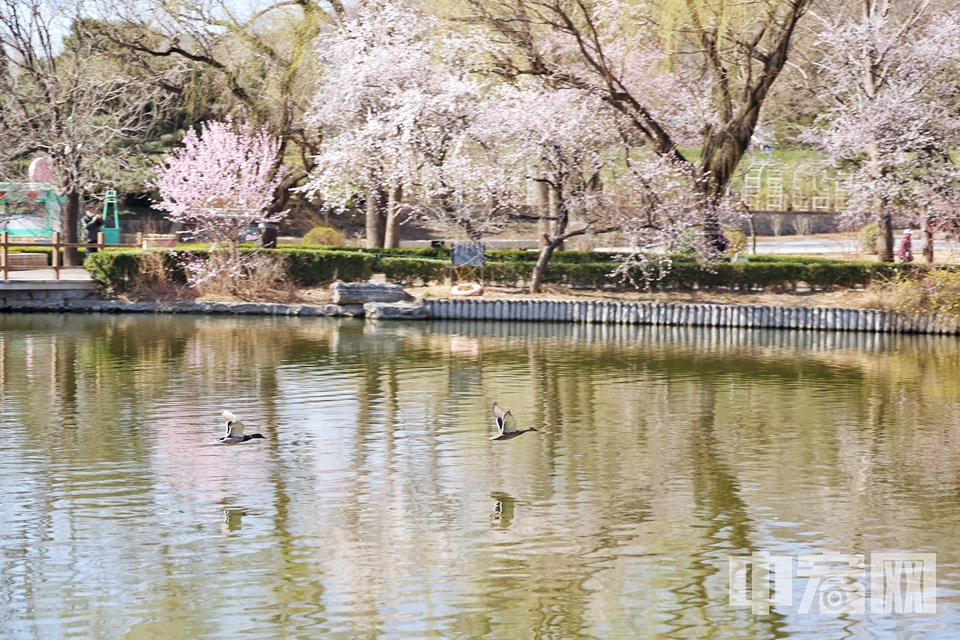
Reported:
(120, 270)
(867, 238)
(324, 236)
(936, 292)
(737, 238)
(116, 270)
(260, 275)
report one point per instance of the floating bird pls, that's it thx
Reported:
(506, 424)
(235, 431)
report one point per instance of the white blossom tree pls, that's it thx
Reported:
(385, 97)
(892, 117)
(725, 54)
(402, 111)
(559, 139)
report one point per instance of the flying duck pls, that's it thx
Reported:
(506, 424)
(235, 431)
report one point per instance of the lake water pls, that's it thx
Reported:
(377, 507)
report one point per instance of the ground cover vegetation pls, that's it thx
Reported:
(583, 118)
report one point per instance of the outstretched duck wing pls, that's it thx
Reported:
(503, 419)
(509, 423)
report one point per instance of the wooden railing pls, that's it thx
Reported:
(57, 247)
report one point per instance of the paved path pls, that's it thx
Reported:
(826, 244)
(77, 274)
(839, 244)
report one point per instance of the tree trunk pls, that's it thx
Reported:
(70, 221)
(375, 222)
(557, 225)
(543, 210)
(381, 217)
(536, 280)
(884, 235)
(392, 236)
(927, 232)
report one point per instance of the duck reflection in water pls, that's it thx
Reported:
(502, 514)
(232, 520)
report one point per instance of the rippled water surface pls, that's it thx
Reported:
(377, 507)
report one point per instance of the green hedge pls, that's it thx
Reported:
(410, 270)
(118, 269)
(431, 252)
(687, 275)
(309, 267)
(519, 255)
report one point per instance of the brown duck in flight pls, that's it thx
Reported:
(506, 424)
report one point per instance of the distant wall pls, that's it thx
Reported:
(789, 223)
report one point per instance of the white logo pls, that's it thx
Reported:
(835, 583)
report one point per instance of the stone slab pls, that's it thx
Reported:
(396, 311)
(345, 293)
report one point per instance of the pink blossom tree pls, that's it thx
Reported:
(892, 120)
(219, 183)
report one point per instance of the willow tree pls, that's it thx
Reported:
(731, 52)
(258, 57)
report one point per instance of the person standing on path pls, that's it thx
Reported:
(92, 223)
(905, 253)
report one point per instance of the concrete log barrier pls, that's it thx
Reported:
(605, 312)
